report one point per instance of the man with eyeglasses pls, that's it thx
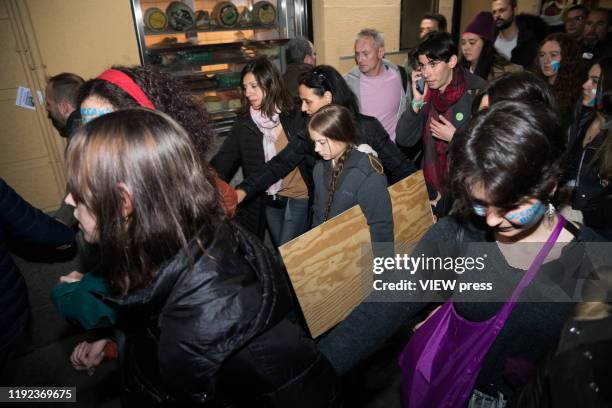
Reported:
(575, 19)
(442, 95)
(596, 43)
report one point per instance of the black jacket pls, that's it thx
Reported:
(217, 335)
(300, 152)
(19, 220)
(583, 117)
(578, 373)
(291, 77)
(532, 30)
(244, 148)
(592, 195)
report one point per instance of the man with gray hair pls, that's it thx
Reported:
(61, 102)
(301, 57)
(377, 82)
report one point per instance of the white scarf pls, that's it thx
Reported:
(267, 126)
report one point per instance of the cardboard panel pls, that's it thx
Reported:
(326, 264)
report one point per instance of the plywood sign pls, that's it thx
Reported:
(326, 264)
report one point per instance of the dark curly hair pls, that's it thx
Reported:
(567, 86)
(166, 92)
(326, 78)
(514, 149)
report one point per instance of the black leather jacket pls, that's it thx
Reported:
(216, 334)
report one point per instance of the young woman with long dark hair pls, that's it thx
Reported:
(122, 88)
(559, 63)
(202, 303)
(271, 121)
(592, 193)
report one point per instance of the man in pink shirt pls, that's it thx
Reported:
(377, 82)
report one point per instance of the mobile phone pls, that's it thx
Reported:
(420, 85)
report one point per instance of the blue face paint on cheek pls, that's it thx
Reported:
(528, 216)
(555, 65)
(89, 114)
(593, 98)
(479, 210)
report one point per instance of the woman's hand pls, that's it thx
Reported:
(87, 356)
(73, 276)
(443, 130)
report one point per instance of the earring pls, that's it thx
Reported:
(550, 213)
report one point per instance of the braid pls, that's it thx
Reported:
(334, 177)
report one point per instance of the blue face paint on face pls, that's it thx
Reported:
(593, 100)
(528, 216)
(555, 65)
(480, 210)
(89, 114)
(520, 218)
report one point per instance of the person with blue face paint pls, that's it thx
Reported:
(116, 89)
(559, 64)
(585, 126)
(504, 169)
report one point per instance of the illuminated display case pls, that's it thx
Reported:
(207, 43)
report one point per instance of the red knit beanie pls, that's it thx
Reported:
(482, 25)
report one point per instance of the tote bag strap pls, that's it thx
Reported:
(533, 269)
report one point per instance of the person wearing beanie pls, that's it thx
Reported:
(478, 53)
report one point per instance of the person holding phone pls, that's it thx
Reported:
(439, 107)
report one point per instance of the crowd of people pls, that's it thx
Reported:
(511, 129)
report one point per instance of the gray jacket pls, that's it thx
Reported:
(353, 81)
(409, 129)
(358, 183)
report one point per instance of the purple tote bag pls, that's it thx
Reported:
(443, 357)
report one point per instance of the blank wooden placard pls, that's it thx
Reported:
(325, 264)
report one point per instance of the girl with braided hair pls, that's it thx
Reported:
(347, 176)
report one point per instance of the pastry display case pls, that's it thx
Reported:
(207, 42)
